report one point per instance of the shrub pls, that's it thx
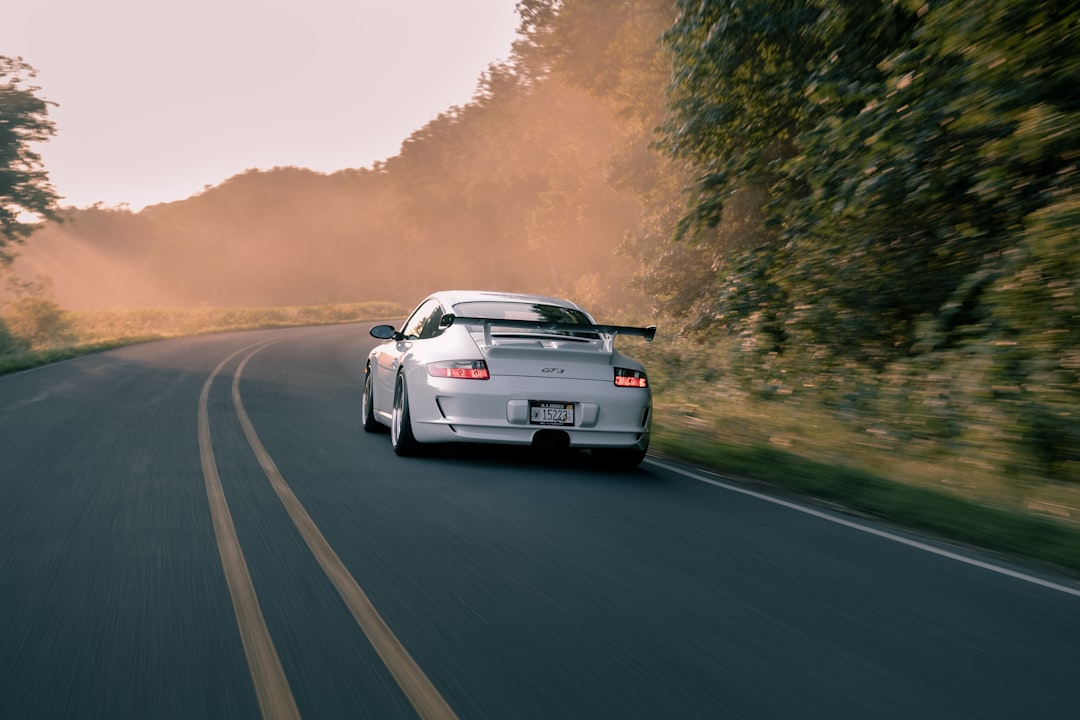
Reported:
(33, 317)
(9, 343)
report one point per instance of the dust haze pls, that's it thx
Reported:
(507, 193)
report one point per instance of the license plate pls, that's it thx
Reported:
(543, 412)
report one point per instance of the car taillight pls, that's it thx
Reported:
(630, 378)
(462, 369)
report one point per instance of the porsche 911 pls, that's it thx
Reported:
(507, 368)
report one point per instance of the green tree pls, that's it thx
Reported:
(902, 207)
(24, 185)
(890, 153)
(916, 169)
(751, 83)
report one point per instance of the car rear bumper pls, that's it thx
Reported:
(497, 411)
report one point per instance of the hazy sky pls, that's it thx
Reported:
(159, 99)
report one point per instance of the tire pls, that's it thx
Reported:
(367, 407)
(401, 434)
(619, 457)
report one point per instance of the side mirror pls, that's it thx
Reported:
(383, 332)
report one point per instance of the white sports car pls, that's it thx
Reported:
(488, 367)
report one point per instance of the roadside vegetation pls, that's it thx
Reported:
(35, 331)
(963, 488)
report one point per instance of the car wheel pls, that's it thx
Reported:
(401, 434)
(367, 407)
(619, 457)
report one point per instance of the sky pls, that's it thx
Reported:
(159, 99)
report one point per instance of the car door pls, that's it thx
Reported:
(392, 354)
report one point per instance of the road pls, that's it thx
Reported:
(199, 528)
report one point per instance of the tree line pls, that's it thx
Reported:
(506, 192)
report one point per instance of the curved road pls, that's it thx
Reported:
(199, 528)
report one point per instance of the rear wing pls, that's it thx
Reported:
(646, 332)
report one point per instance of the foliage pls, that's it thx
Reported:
(32, 318)
(24, 184)
(912, 171)
(879, 138)
(9, 344)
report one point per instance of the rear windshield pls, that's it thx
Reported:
(522, 311)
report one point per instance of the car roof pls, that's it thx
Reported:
(453, 297)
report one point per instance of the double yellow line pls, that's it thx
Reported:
(271, 686)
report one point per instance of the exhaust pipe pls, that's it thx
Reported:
(551, 440)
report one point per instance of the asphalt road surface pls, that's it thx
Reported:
(200, 528)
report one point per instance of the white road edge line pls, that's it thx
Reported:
(425, 699)
(271, 686)
(867, 529)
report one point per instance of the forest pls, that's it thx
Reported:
(864, 207)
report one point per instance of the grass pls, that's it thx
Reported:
(697, 420)
(14, 362)
(945, 514)
(795, 447)
(96, 330)
(106, 325)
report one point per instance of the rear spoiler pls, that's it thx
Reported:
(646, 332)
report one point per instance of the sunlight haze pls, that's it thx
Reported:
(156, 101)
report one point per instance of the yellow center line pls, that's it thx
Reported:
(271, 686)
(425, 699)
